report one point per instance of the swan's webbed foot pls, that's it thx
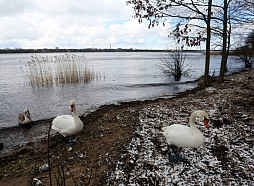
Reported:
(71, 141)
(173, 159)
(180, 158)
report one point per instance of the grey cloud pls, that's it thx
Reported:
(12, 7)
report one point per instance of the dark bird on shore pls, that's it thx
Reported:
(24, 118)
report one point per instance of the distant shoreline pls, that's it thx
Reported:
(57, 50)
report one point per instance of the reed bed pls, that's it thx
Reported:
(59, 69)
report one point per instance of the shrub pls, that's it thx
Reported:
(246, 55)
(175, 65)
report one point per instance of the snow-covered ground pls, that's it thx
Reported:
(226, 158)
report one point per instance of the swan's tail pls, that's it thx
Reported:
(164, 131)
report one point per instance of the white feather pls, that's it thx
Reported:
(184, 136)
(68, 125)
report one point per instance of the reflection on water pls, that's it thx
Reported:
(126, 76)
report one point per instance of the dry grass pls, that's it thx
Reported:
(67, 68)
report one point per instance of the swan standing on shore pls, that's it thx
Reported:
(68, 125)
(184, 136)
(24, 118)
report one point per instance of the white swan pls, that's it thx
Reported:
(184, 136)
(68, 125)
(24, 117)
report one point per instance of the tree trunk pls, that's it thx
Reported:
(228, 46)
(208, 41)
(224, 45)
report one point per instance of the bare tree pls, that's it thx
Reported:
(208, 43)
(235, 14)
(220, 19)
(183, 11)
(224, 43)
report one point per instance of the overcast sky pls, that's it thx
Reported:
(75, 24)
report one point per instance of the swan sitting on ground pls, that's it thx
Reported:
(68, 125)
(184, 136)
(24, 117)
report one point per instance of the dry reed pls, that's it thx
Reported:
(67, 68)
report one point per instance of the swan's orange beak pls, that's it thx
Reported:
(206, 123)
(71, 108)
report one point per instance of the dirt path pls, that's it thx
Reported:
(105, 154)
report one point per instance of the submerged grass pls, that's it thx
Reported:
(59, 69)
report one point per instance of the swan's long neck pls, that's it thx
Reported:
(74, 113)
(77, 121)
(26, 117)
(192, 120)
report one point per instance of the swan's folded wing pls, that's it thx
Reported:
(62, 122)
(173, 130)
(178, 135)
(67, 117)
(21, 117)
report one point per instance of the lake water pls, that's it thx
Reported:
(124, 76)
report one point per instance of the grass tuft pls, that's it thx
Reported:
(59, 69)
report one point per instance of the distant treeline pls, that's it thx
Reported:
(45, 50)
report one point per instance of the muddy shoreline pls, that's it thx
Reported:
(104, 144)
